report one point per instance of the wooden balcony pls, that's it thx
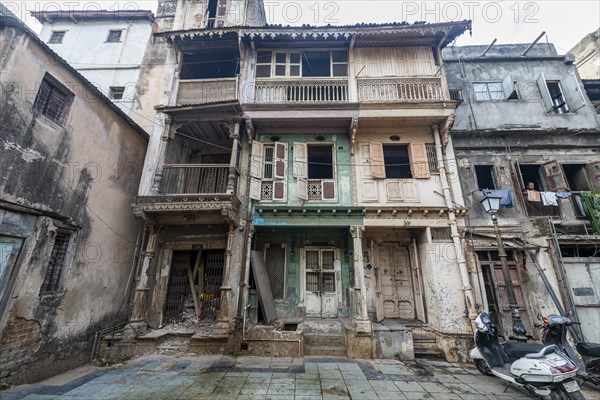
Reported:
(301, 91)
(203, 91)
(190, 193)
(194, 179)
(399, 90)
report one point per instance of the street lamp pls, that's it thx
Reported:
(491, 205)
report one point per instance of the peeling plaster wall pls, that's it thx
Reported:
(445, 302)
(528, 112)
(83, 174)
(105, 64)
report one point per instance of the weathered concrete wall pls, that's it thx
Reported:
(464, 67)
(105, 64)
(82, 175)
(587, 56)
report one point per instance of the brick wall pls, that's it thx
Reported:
(20, 339)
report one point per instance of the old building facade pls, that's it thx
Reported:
(107, 47)
(299, 183)
(70, 167)
(526, 127)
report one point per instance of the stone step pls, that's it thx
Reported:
(323, 339)
(333, 351)
(428, 352)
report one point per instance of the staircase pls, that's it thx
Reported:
(425, 343)
(324, 337)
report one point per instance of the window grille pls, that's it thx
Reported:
(432, 158)
(441, 234)
(275, 264)
(57, 37)
(117, 92)
(268, 162)
(456, 94)
(56, 264)
(53, 101)
(114, 36)
(315, 190)
(266, 190)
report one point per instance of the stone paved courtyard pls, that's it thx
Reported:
(158, 377)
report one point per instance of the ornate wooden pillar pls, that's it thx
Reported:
(361, 317)
(140, 301)
(168, 133)
(234, 133)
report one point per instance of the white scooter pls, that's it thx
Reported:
(547, 373)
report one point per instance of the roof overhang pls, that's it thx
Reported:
(92, 15)
(364, 35)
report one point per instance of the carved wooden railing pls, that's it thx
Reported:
(195, 179)
(328, 90)
(384, 90)
(201, 91)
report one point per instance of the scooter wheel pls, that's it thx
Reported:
(483, 367)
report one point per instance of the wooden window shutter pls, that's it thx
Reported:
(544, 93)
(328, 190)
(42, 97)
(279, 190)
(256, 164)
(302, 188)
(255, 188)
(425, 58)
(300, 160)
(554, 176)
(419, 165)
(593, 172)
(508, 86)
(279, 161)
(377, 161)
(573, 92)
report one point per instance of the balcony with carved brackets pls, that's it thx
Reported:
(197, 182)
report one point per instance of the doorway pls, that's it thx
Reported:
(495, 288)
(394, 282)
(322, 282)
(194, 287)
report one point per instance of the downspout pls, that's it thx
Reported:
(459, 252)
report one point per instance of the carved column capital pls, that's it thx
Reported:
(250, 129)
(357, 231)
(233, 128)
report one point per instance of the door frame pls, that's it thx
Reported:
(337, 270)
(414, 269)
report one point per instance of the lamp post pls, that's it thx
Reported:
(491, 205)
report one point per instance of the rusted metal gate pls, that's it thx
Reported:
(179, 286)
(214, 260)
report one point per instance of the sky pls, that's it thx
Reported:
(565, 22)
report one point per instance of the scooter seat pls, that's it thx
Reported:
(518, 350)
(589, 349)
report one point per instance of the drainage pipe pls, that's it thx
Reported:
(458, 248)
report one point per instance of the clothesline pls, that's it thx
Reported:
(547, 198)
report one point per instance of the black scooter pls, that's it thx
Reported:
(555, 332)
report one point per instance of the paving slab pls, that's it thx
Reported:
(160, 377)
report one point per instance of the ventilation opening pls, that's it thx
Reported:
(290, 327)
(244, 347)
